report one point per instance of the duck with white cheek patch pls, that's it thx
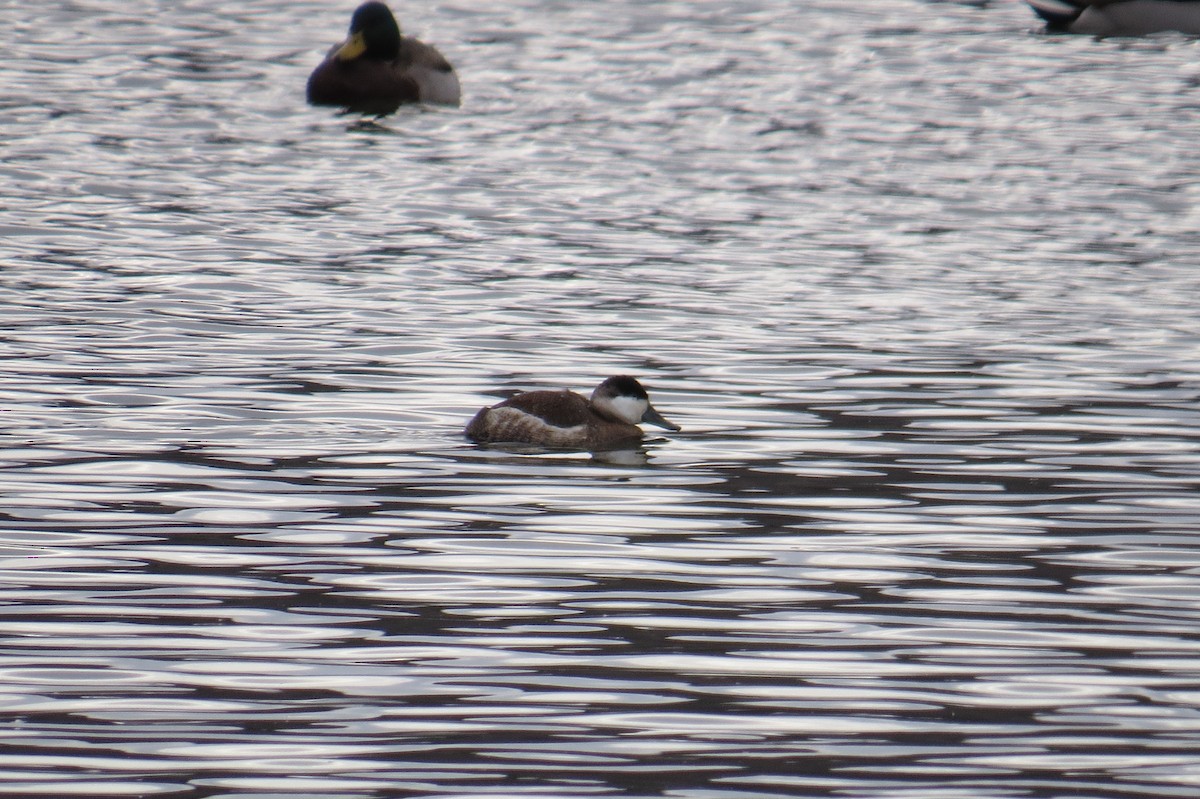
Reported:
(609, 420)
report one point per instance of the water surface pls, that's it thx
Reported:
(917, 281)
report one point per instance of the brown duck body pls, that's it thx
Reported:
(552, 419)
(566, 419)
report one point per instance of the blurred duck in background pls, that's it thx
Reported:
(376, 70)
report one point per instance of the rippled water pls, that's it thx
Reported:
(918, 281)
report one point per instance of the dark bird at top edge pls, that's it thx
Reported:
(1119, 17)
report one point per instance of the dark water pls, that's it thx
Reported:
(919, 282)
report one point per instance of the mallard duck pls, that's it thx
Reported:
(609, 420)
(1119, 17)
(375, 69)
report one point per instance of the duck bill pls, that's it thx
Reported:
(653, 417)
(352, 48)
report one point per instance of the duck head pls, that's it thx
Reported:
(374, 34)
(623, 397)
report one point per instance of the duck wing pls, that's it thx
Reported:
(434, 76)
(558, 408)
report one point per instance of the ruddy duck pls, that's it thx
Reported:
(609, 420)
(376, 69)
